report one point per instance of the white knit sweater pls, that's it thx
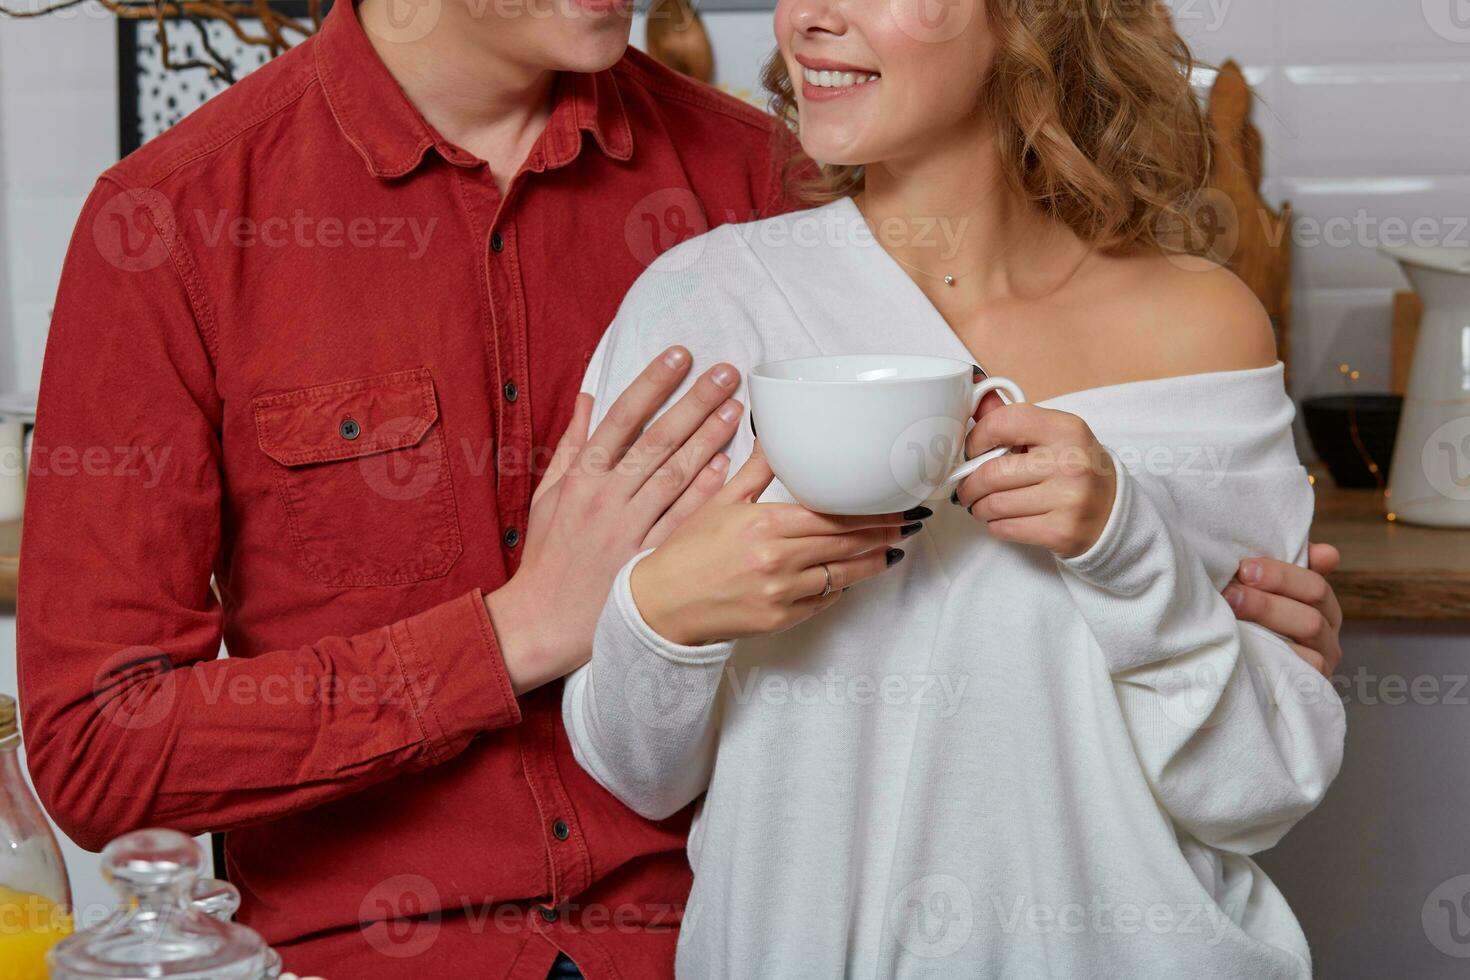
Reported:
(987, 763)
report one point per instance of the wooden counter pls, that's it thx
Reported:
(9, 563)
(1391, 570)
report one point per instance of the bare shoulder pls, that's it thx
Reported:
(1181, 315)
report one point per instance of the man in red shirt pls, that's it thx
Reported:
(317, 343)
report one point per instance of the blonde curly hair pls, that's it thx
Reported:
(1096, 119)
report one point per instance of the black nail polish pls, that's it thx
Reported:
(954, 498)
(978, 372)
(894, 556)
(918, 514)
(848, 588)
(750, 417)
(909, 530)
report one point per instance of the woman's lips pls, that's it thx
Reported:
(822, 84)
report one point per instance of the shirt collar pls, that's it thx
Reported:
(391, 136)
(588, 103)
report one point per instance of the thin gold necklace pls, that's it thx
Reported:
(948, 279)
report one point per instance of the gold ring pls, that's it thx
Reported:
(827, 589)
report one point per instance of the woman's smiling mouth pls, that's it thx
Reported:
(823, 80)
(836, 79)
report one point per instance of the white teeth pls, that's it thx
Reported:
(836, 79)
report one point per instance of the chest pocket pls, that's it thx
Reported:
(363, 475)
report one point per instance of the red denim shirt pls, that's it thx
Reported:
(305, 346)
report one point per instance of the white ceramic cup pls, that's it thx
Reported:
(869, 433)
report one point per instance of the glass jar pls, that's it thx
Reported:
(35, 896)
(221, 900)
(158, 930)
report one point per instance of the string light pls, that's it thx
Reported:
(1350, 375)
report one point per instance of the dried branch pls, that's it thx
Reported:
(274, 25)
(221, 67)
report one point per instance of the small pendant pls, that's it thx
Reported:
(949, 280)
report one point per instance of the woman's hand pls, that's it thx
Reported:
(1058, 493)
(1296, 602)
(738, 568)
(1056, 490)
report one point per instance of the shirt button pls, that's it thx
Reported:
(560, 830)
(511, 391)
(497, 243)
(349, 429)
(512, 537)
(549, 914)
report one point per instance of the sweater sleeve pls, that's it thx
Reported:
(641, 714)
(1239, 738)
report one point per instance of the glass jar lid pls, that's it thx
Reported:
(158, 932)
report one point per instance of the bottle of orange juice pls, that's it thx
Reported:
(35, 896)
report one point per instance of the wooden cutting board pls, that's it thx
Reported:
(675, 36)
(1408, 310)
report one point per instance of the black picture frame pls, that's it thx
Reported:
(129, 134)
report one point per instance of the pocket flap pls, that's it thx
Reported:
(346, 419)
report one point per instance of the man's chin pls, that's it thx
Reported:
(598, 45)
(591, 59)
(601, 62)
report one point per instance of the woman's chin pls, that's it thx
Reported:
(835, 152)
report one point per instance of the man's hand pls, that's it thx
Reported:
(1296, 602)
(605, 498)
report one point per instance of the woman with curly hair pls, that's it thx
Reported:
(1024, 736)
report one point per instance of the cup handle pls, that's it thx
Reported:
(1011, 393)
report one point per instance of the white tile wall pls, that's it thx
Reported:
(8, 346)
(1363, 112)
(58, 130)
(1335, 32)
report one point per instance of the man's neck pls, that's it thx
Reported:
(474, 96)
